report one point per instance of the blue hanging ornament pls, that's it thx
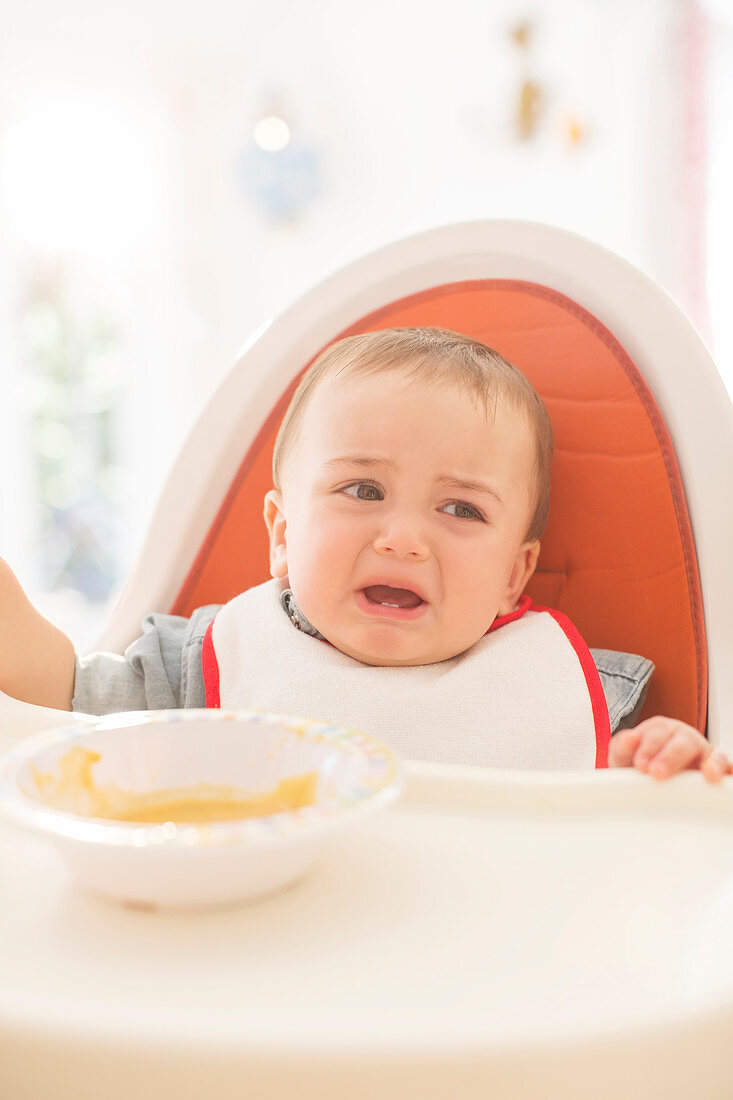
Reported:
(280, 172)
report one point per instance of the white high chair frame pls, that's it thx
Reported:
(535, 933)
(653, 330)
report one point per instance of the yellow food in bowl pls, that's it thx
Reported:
(75, 791)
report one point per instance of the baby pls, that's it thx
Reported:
(411, 479)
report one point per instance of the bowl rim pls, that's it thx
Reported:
(384, 784)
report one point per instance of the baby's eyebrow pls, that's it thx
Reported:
(470, 486)
(360, 460)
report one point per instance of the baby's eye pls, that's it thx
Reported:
(364, 490)
(461, 510)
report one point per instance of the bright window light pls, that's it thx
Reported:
(80, 175)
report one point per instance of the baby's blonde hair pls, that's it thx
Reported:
(437, 356)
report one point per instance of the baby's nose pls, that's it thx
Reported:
(402, 537)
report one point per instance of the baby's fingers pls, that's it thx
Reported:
(677, 754)
(623, 747)
(715, 766)
(686, 748)
(656, 735)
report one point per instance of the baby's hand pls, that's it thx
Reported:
(662, 747)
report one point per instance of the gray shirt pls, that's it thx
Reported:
(162, 670)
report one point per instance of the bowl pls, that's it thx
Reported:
(194, 807)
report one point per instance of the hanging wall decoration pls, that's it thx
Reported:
(574, 130)
(533, 100)
(280, 170)
(530, 100)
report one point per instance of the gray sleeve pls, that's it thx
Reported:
(625, 680)
(192, 677)
(160, 670)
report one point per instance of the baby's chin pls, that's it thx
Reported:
(386, 644)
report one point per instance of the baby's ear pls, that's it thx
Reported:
(524, 566)
(276, 528)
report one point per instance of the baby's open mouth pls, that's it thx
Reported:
(385, 596)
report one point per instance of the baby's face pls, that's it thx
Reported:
(402, 519)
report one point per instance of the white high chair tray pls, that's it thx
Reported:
(493, 934)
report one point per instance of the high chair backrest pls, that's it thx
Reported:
(637, 522)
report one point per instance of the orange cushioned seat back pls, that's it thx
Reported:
(617, 556)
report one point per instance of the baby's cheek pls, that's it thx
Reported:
(469, 631)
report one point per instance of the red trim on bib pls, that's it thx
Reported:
(601, 718)
(525, 602)
(210, 669)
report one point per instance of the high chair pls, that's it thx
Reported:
(640, 527)
(509, 934)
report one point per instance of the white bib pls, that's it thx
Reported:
(526, 695)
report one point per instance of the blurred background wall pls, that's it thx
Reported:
(173, 174)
